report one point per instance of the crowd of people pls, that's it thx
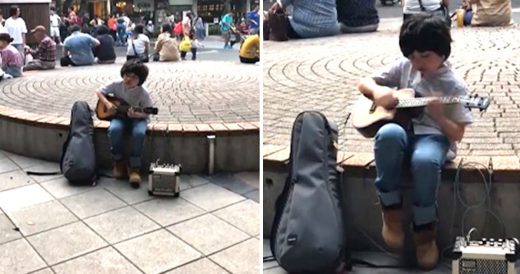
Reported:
(309, 19)
(87, 41)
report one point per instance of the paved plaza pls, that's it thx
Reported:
(48, 226)
(200, 92)
(321, 74)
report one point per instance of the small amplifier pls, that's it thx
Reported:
(164, 179)
(487, 256)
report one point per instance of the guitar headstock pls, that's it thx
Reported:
(475, 101)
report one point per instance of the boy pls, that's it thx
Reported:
(424, 40)
(130, 90)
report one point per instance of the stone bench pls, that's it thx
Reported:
(362, 209)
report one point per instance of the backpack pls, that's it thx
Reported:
(78, 158)
(307, 232)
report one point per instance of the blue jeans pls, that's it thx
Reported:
(137, 130)
(425, 154)
(121, 34)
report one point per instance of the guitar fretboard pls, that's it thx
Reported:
(423, 101)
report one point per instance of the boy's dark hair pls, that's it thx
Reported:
(166, 27)
(136, 67)
(425, 32)
(13, 10)
(102, 30)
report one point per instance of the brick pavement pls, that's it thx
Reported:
(48, 226)
(321, 74)
(204, 94)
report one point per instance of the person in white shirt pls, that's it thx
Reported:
(138, 45)
(16, 28)
(55, 21)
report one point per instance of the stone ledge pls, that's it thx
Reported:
(154, 128)
(504, 168)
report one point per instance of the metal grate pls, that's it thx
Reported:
(470, 266)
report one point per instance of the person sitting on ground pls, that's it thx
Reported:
(44, 57)
(436, 7)
(357, 16)
(138, 45)
(105, 52)
(422, 147)
(491, 13)
(77, 48)
(310, 18)
(166, 47)
(12, 61)
(250, 50)
(132, 91)
(188, 44)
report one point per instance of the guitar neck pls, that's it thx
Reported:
(423, 101)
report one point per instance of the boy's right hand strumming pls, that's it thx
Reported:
(385, 97)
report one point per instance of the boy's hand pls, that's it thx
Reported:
(386, 98)
(133, 114)
(435, 109)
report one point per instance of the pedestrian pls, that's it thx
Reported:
(16, 28)
(55, 22)
(12, 60)
(131, 90)
(423, 147)
(77, 48)
(44, 57)
(105, 52)
(228, 29)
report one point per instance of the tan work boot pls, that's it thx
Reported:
(426, 248)
(118, 169)
(393, 228)
(133, 177)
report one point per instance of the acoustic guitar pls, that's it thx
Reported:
(367, 117)
(121, 109)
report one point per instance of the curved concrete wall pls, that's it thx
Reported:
(233, 152)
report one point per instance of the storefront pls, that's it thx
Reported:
(212, 10)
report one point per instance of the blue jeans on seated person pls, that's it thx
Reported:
(137, 130)
(423, 154)
(13, 71)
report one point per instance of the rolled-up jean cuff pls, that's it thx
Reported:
(390, 198)
(424, 215)
(135, 162)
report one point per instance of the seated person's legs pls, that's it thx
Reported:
(138, 130)
(66, 61)
(115, 137)
(13, 71)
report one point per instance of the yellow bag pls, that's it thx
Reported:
(185, 44)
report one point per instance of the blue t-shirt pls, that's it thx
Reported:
(80, 47)
(254, 20)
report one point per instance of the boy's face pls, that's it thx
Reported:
(130, 80)
(427, 62)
